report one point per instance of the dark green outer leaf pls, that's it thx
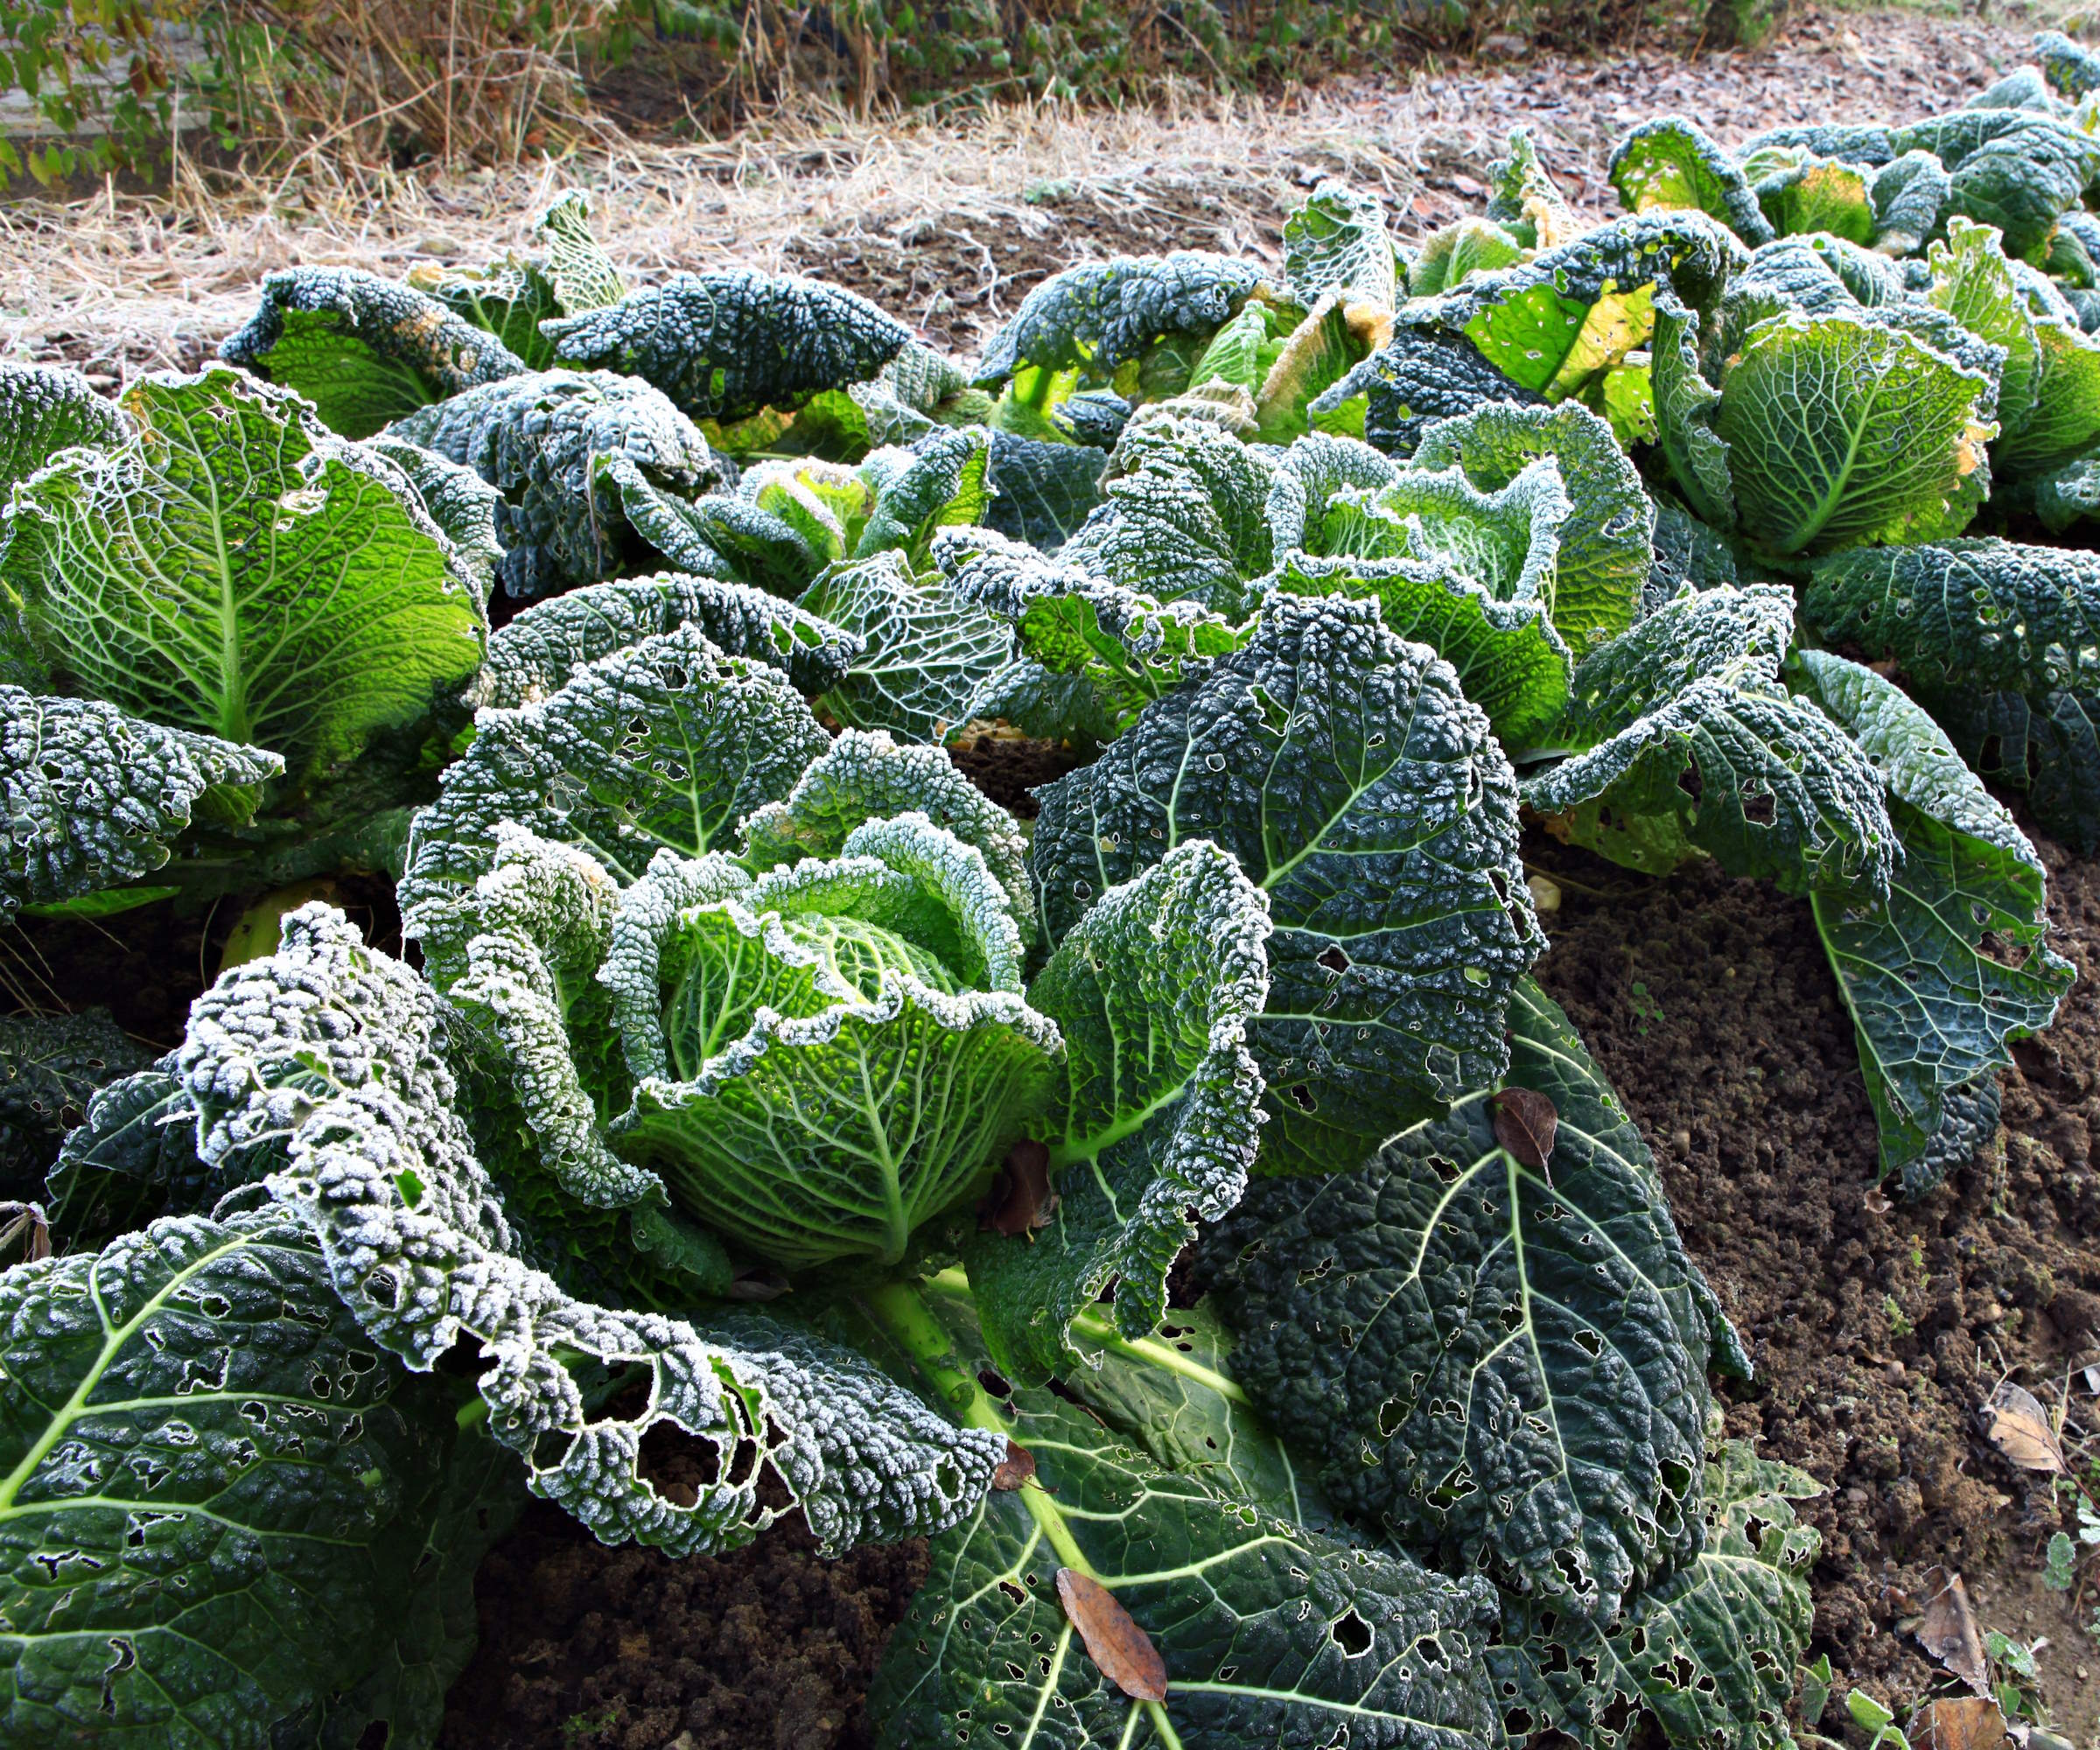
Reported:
(1344, 770)
(132, 1157)
(363, 349)
(207, 1538)
(1972, 613)
(1507, 1372)
(1100, 313)
(2048, 748)
(1044, 491)
(717, 737)
(532, 657)
(1671, 162)
(44, 410)
(1711, 1650)
(723, 345)
(1417, 378)
(95, 798)
(1942, 976)
(1154, 1115)
(50, 1066)
(1271, 1634)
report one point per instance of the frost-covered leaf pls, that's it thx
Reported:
(1469, 573)
(2048, 748)
(1669, 163)
(2071, 68)
(663, 744)
(2010, 168)
(863, 777)
(1100, 313)
(1711, 1651)
(1842, 431)
(582, 275)
(175, 576)
(1337, 242)
(50, 1068)
(1692, 742)
(1271, 1632)
(215, 1490)
(1416, 379)
(1154, 1122)
(132, 1157)
(460, 502)
(727, 536)
(44, 409)
(1128, 647)
(1185, 516)
(95, 798)
(1685, 407)
(924, 646)
(332, 1055)
(1524, 198)
(1503, 1368)
(1968, 614)
(1358, 788)
(723, 345)
(1321, 351)
(538, 439)
(941, 483)
(1605, 542)
(1042, 491)
(1952, 967)
(1555, 322)
(532, 656)
(1908, 196)
(365, 351)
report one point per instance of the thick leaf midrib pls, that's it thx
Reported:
(115, 1338)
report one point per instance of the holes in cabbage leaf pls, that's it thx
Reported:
(1333, 959)
(678, 1466)
(1590, 1343)
(1014, 1592)
(1392, 1416)
(1760, 808)
(124, 1655)
(994, 1383)
(1691, 781)
(1301, 1096)
(1352, 1634)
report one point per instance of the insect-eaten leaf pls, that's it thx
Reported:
(1947, 1633)
(1959, 1723)
(1016, 1469)
(1020, 1199)
(1123, 1650)
(2019, 1428)
(1525, 1121)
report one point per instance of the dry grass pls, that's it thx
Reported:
(946, 222)
(126, 284)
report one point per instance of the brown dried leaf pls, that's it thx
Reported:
(1123, 1650)
(2019, 1428)
(1948, 1632)
(1959, 1723)
(1016, 1468)
(1020, 1199)
(1525, 1121)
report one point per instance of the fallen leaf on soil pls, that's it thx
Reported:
(1948, 1632)
(1959, 1723)
(1020, 1199)
(1524, 1123)
(1123, 1650)
(1016, 1468)
(2019, 1428)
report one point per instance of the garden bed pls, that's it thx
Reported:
(1878, 1329)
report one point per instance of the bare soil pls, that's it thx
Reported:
(1877, 1327)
